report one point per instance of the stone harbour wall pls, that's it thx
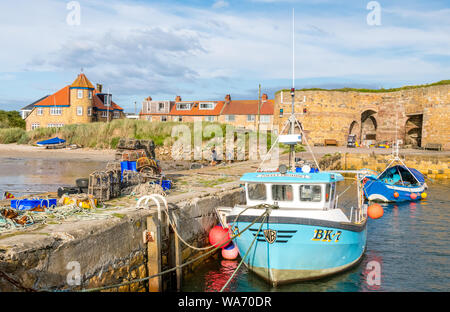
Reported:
(109, 251)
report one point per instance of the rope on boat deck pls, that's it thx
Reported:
(264, 214)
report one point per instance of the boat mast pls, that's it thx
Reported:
(292, 117)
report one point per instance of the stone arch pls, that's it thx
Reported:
(369, 126)
(354, 129)
(413, 131)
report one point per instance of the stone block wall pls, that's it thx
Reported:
(330, 114)
(109, 251)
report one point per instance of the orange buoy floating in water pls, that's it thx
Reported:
(396, 194)
(424, 195)
(375, 211)
(218, 235)
(230, 252)
(413, 196)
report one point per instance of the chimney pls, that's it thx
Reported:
(178, 98)
(264, 98)
(99, 87)
(227, 98)
(149, 98)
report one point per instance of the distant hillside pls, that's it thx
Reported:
(11, 119)
(442, 82)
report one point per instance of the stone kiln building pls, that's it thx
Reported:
(77, 103)
(418, 116)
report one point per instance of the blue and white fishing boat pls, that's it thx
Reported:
(292, 226)
(397, 183)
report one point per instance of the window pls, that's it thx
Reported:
(282, 193)
(55, 110)
(105, 114)
(310, 193)
(161, 106)
(256, 191)
(329, 192)
(80, 110)
(80, 94)
(34, 126)
(116, 114)
(250, 117)
(184, 106)
(163, 118)
(89, 112)
(209, 118)
(90, 94)
(264, 118)
(58, 125)
(40, 111)
(230, 117)
(207, 105)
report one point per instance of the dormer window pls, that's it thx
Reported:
(184, 106)
(208, 105)
(80, 94)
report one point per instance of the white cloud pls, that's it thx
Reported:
(220, 4)
(156, 49)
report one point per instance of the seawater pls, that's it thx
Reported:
(27, 176)
(408, 249)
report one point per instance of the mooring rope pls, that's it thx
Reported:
(176, 267)
(266, 213)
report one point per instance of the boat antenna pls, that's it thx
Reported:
(292, 117)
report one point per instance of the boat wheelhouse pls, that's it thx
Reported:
(292, 190)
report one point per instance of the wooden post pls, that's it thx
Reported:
(154, 253)
(178, 256)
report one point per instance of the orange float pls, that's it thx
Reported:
(218, 235)
(230, 252)
(375, 211)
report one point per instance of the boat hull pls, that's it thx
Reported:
(302, 249)
(375, 190)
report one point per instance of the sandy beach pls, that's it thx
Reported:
(27, 151)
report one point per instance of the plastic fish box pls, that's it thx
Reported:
(27, 204)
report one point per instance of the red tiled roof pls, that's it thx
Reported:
(82, 82)
(248, 107)
(59, 98)
(196, 111)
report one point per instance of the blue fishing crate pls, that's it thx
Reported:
(127, 165)
(27, 204)
(166, 185)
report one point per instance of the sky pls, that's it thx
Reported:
(205, 49)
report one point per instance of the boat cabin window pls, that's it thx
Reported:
(329, 192)
(282, 193)
(311, 193)
(256, 191)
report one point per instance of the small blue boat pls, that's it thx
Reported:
(53, 141)
(396, 184)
